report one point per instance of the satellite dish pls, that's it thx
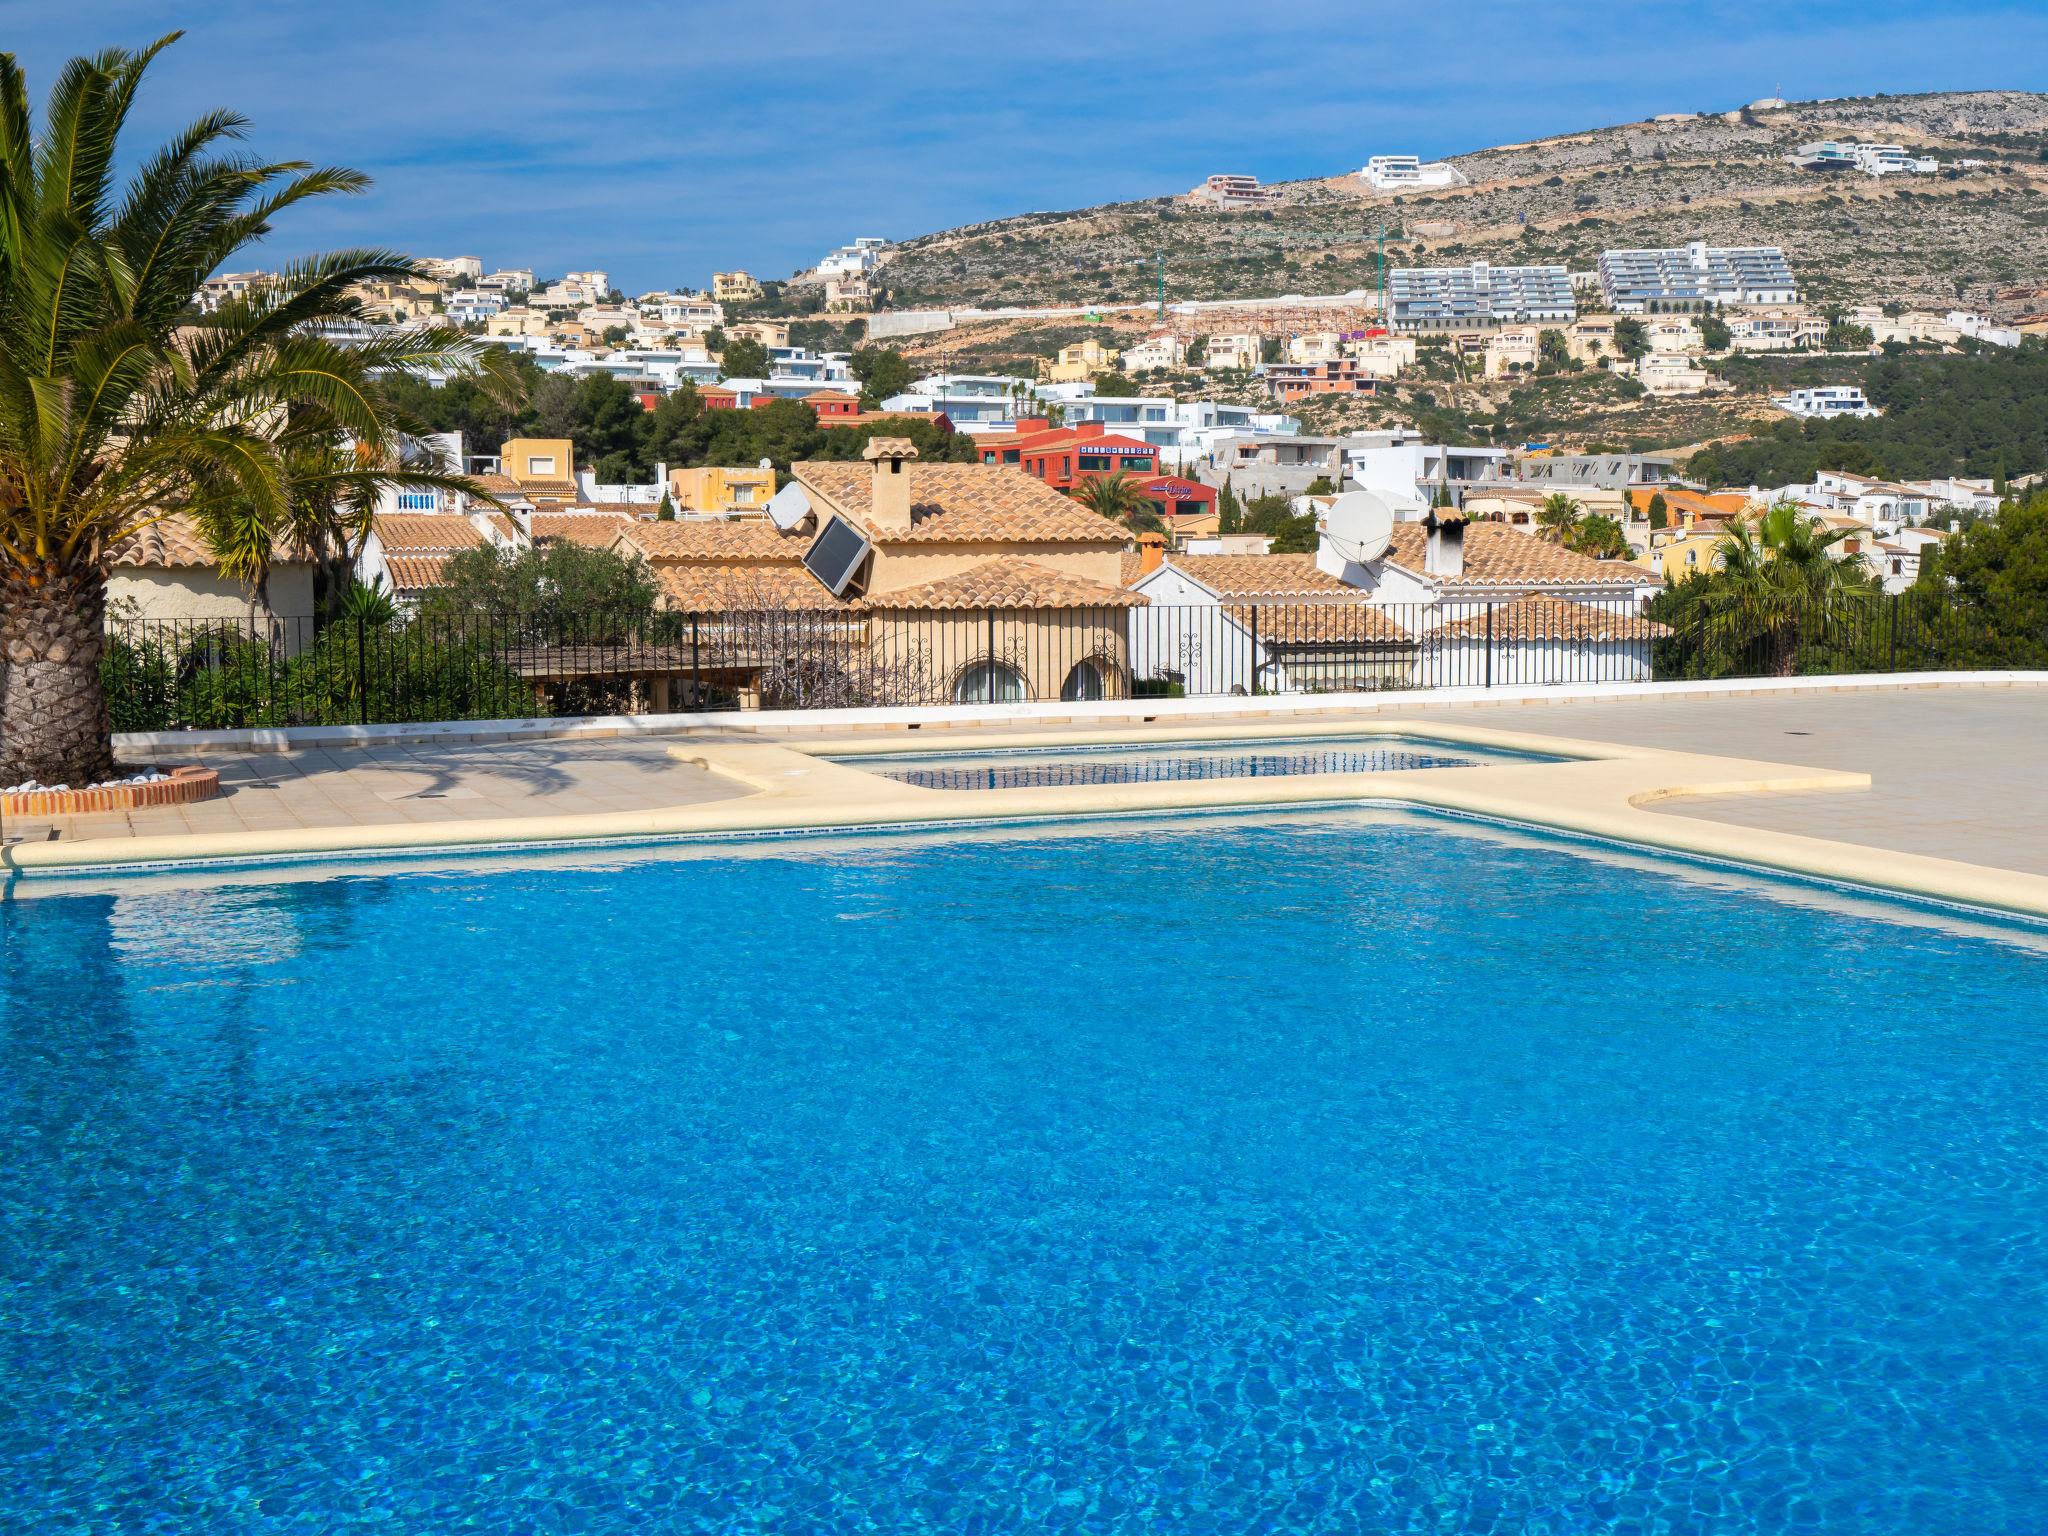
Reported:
(789, 506)
(1360, 524)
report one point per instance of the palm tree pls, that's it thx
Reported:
(1558, 517)
(1117, 497)
(1780, 570)
(116, 412)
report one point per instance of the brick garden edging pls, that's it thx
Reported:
(182, 787)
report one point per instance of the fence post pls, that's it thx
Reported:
(1893, 664)
(1252, 690)
(362, 673)
(1489, 642)
(696, 668)
(990, 616)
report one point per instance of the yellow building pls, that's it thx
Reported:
(721, 489)
(734, 287)
(1079, 363)
(543, 467)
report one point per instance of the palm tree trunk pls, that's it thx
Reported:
(54, 726)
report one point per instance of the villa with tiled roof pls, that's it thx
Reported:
(923, 557)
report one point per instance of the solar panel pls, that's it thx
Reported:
(836, 554)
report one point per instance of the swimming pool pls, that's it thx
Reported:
(1039, 767)
(1338, 1171)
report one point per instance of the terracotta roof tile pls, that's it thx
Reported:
(1007, 582)
(712, 540)
(965, 504)
(1497, 555)
(176, 541)
(595, 530)
(1319, 623)
(1264, 576)
(422, 533)
(415, 573)
(697, 587)
(1535, 616)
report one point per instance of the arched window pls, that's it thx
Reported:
(1084, 682)
(989, 682)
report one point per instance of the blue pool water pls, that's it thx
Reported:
(1345, 1174)
(1039, 767)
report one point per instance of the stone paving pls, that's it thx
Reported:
(336, 787)
(1958, 771)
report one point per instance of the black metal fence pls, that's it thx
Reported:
(165, 675)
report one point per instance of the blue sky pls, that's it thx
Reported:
(661, 141)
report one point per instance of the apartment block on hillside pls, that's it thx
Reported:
(1688, 278)
(1477, 297)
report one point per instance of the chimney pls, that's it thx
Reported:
(1444, 554)
(889, 498)
(1092, 429)
(1027, 424)
(1151, 552)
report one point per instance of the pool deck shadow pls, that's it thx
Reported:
(1602, 789)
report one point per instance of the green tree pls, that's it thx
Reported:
(1119, 498)
(883, 372)
(743, 358)
(1631, 340)
(1320, 486)
(1660, 512)
(1267, 514)
(1714, 333)
(560, 587)
(112, 417)
(1294, 536)
(1600, 537)
(1553, 352)
(1779, 572)
(1229, 514)
(1558, 518)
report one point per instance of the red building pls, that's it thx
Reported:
(1291, 381)
(831, 404)
(716, 397)
(1064, 457)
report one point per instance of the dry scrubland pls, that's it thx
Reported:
(1979, 238)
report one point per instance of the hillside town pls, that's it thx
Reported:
(1191, 442)
(1360, 852)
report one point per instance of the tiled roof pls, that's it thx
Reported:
(415, 573)
(507, 529)
(176, 541)
(1321, 622)
(1534, 616)
(964, 504)
(421, 533)
(1007, 582)
(1264, 576)
(708, 588)
(172, 541)
(596, 530)
(503, 487)
(1128, 571)
(712, 540)
(548, 490)
(1497, 555)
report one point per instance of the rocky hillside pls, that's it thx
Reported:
(1976, 236)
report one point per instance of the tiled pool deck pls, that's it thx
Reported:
(1953, 776)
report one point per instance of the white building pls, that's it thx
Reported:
(1406, 470)
(468, 306)
(1870, 159)
(1694, 277)
(452, 268)
(1231, 353)
(1826, 401)
(857, 259)
(1984, 329)
(1477, 297)
(511, 280)
(1438, 603)
(1407, 173)
(1165, 350)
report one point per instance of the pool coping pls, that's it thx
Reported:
(1599, 789)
